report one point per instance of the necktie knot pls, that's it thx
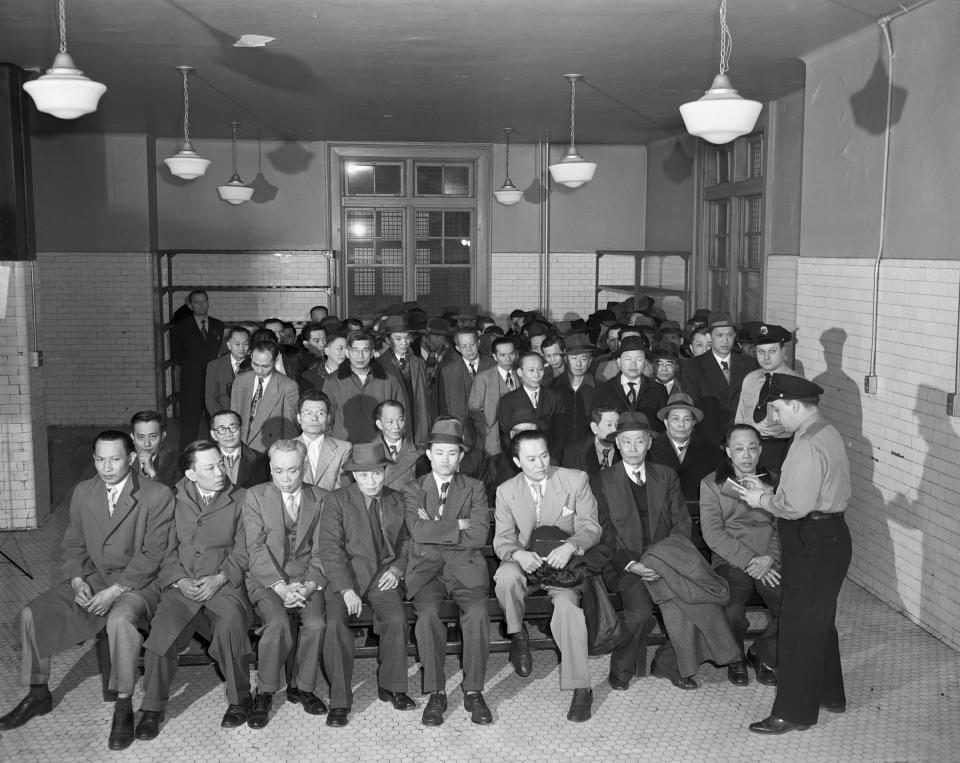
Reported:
(632, 394)
(291, 506)
(393, 453)
(510, 383)
(231, 460)
(606, 457)
(112, 499)
(206, 499)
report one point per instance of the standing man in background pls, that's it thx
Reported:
(194, 342)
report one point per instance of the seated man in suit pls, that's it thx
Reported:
(202, 582)
(112, 552)
(362, 544)
(243, 466)
(223, 370)
(502, 467)
(639, 504)
(325, 453)
(403, 455)
(598, 451)
(154, 462)
(456, 379)
(545, 495)
(280, 519)
(447, 517)
(547, 404)
(488, 387)
(746, 552)
(265, 400)
(630, 390)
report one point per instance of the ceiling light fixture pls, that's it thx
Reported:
(63, 91)
(721, 114)
(186, 163)
(572, 171)
(235, 192)
(509, 194)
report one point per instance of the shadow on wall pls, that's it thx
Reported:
(869, 104)
(678, 166)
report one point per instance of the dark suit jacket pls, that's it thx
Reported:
(276, 417)
(704, 382)
(292, 364)
(404, 469)
(622, 532)
(253, 468)
(189, 351)
(454, 383)
(579, 403)
(345, 545)
(651, 397)
(415, 385)
(700, 459)
(582, 455)
(266, 534)
(219, 382)
(167, 464)
(353, 405)
(551, 412)
(437, 545)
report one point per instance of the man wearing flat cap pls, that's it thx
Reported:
(362, 544)
(809, 504)
(768, 341)
(713, 379)
(630, 391)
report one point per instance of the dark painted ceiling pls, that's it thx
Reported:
(421, 70)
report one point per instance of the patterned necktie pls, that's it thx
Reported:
(112, 499)
(725, 367)
(760, 412)
(635, 476)
(510, 382)
(681, 450)
(206, 499)
(293, 511)
(203, 329)
(538, 502)
(256, 398)
(402, 362)
(443, 498)
(606, 458)
(535, 399)
(393, 452)
(473, 369)
(632, 394)
(231, 461)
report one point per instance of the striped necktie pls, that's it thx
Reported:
(443, 498)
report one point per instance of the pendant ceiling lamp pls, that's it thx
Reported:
(721, 114)
(572, 171)
(186, 163)
(63, 91)
(235, 192)
(509, 194)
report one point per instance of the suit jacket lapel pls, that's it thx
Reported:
(309, 509)
(555, 498)
(126, 502)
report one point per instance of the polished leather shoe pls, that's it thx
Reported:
(774, 725)
(260, 712)
(121, 730)
(400, 700)
(580, 706)
(765, 674)
(834, 707)
(310, 701)
(338, 716)
(685, 682)
(436, 707)
(236, 715)
(520, 656)
(476, 705)
(149, 726)
(618, 684)
(29, 707)
(737, 673)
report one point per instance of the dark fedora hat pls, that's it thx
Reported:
(631, 421)
(394, 324)
(437, 327)
(447, 431)
(366, 457)
(632, 343)
(578, 344)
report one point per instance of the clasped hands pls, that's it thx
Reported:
(761, 568)
(295, 595)
(531, 561)
(203, 588)
(95, 603)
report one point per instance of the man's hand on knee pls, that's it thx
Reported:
(102, 601)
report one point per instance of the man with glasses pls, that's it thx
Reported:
(456, 380)
(356, 389)
(244, 466)
(326, 454)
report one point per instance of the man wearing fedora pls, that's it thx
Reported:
(448, 520)
(629, 390)
(769, 341)
(639, 504)
(544, 495)
(362, 544)
(488, 388)
(577, 384)
(411, 369)
(713, 379)
(456, 379)
(809, 504)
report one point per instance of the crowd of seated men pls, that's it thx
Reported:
(353, 465)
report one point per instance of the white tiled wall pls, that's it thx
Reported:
(904, 450)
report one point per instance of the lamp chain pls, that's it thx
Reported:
(234, 125)
(726, 39)
(186, 109)
(508, 155)
(62, 18)
(573, 109)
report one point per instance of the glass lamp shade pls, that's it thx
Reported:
(509, 194)
(572, 171)
(63, 91)
(187, 163)
(721, 114)
(235, 192)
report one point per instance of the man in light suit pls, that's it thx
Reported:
(243, 466)
(403, 455)
(280, 520)
(326, 454)
(112, 551)
(194, 342)
(223, 370)
(202, 581)
(265, 400)
(639, 504)
(456, 380)
(362, 543)
(545, 495)
(488, 387)
(411, 369)
(447, 517)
